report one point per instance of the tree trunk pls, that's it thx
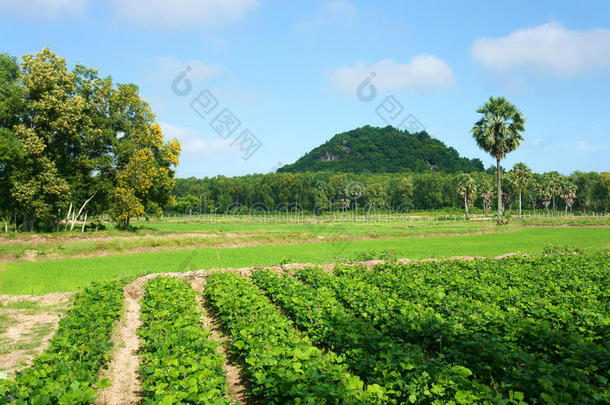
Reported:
(74, 219)
(553, 205)
(84, 222)
(519, 200)
(466, 206)
(68, 217)
(499, 187)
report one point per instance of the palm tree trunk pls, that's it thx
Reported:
(519, 200)
(499, 188)
(466, 206)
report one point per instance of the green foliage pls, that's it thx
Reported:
(560, 248)
(498, 132)
(66, 373)
(402, 373)
(533, 325)
(403, 192)
(75, 143)
(383, 150)
(179, 360)
(281, 365)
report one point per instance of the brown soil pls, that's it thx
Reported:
(235, 384)
(29, 329)
(123, 368)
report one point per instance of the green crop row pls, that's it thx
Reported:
(552, 308)
(555, 306)
(67, 371)
(543, 359)
(569, 291)
(179, 362)
(281, 365)
(402, 371)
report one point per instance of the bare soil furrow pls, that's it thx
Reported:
(123, 369)
(233, 372)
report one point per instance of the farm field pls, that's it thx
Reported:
(333, 243)
(234, 231)
(516, 330)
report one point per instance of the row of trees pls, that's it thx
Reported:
(326, 191)
(73, 144)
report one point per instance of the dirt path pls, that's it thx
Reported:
(27, 323)
(234, 382)
(123, 369)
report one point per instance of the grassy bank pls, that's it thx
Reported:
(71, 274)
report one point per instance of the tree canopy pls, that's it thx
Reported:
(74, 143)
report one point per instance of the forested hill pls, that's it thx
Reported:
(383, 150)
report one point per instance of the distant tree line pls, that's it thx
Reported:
(74, 144)
(326, 191)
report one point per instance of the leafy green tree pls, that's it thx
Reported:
(73, 142)
(585, 183)
(601, 191)
(498, 132)
(37, 187)
(522, 176)
(11, 110)
(375, 195)
(401, 189)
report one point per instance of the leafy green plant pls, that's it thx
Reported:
(535, 325)
(560, 248)
(281, 365)
(179, 360)
(66, 373)
(402, 372)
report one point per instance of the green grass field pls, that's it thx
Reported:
(70, 274)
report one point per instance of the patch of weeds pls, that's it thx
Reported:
(25, 304)
(560, 248)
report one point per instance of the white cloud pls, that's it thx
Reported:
(423, 72)
(192, 143)
(330, 12)
(183, 13)
(168, 68)
(548, 48)
(43, 9)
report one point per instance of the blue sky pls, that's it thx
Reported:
(289, 71)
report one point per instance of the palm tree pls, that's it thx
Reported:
(568, 194)
(522, 176)
(486, 190)
(498, 132)
(467, 189)
(555, 183)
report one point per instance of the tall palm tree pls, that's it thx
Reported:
(498, 132)
(522, 176)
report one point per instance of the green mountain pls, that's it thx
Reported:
(383, 150)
